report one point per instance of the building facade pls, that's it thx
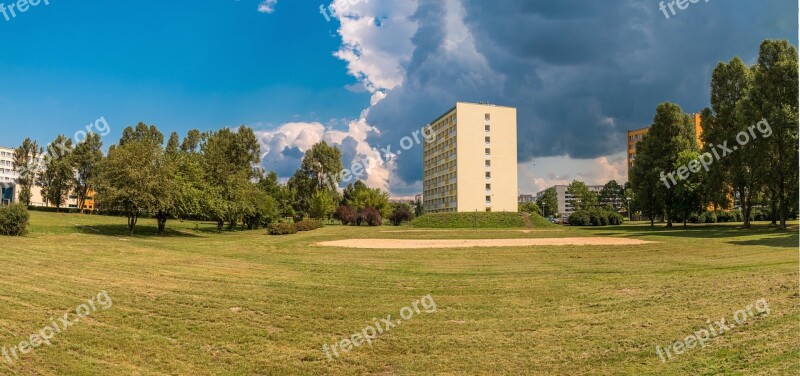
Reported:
(568, 203)
(472, 163)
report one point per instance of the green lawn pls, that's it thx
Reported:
(244, 303)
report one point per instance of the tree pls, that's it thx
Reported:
(730, 86)
(549, 203)
(585, 199)
(644, 179)
(672, 132)
(86, 158)
(322, 206)
(346, 215)
(688, 192)
(58, 178)
(529, 207)
(229, 158)
(775, 99)
(26, 163)
(132, 175)
(401, 214)
(319, 171)
(359, 197)
(612, 194)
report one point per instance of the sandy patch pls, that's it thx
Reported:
(475, 243)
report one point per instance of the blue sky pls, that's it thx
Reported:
(580, 72)
(176, 64)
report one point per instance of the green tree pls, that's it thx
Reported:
(87, 157)
(612, 194)
(688, 192)
(529, 207)
(585, 199)
(57, 179)
(730, 87)
(26, 163)
(323, 205)
(644, 179)
(229, 158)
(775, 99)
(132, 176)
(672, 132)
(549, 202)
(319, 171)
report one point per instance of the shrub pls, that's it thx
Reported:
(694, 218)
(478, 219)
(400, 215)
(346, 215)
(737, 215)
(615, 219)
(579, 218)
(308, 225)
(710, 217)
(14, 220)
(371, 216)
(282, 229)
(530, 207)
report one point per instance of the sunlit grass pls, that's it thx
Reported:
(244, 303)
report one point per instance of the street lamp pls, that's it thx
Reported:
(630, 215)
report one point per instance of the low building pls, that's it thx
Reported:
(524, 199)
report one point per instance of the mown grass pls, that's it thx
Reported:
(481, 220)
(244, 303)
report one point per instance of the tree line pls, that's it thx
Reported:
(762, 171)
(212, 176)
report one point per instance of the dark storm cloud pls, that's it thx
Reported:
(580, 72)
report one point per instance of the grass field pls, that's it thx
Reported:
(244, 303)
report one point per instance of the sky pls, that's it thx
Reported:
(363, 74)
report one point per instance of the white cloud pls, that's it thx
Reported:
(267, 6)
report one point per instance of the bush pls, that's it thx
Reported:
(282, 229)
(708, 217)
(400, 215)
(346, 215)
(530, 207)
(595, 217)
(14, 220)
(48, 209)
(308, 225)
(479, 219)
(371, 216)
(579, 218)
(694, 218)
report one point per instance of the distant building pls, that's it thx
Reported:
(10, 187)
(524, 199)
(567, 203)
(472, 164)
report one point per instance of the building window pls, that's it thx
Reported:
(488, 187)
(488, 151)
(488, 175)
(488, 140)
(488, 117)
(488, 163)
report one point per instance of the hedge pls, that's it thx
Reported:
(14, 220)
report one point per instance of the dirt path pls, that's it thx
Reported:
(475, 243)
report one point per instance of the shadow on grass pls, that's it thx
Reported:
(138, 231)
(770, 235)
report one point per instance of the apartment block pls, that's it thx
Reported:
(472, 164)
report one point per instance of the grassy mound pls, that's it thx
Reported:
(538, 221)
(468, 220)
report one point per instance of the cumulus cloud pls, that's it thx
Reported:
(267, 6)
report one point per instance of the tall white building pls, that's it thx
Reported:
(472, 164)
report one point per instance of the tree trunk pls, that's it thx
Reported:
(131, 224)
(220, 223)
(161, 218)
(746, 207)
